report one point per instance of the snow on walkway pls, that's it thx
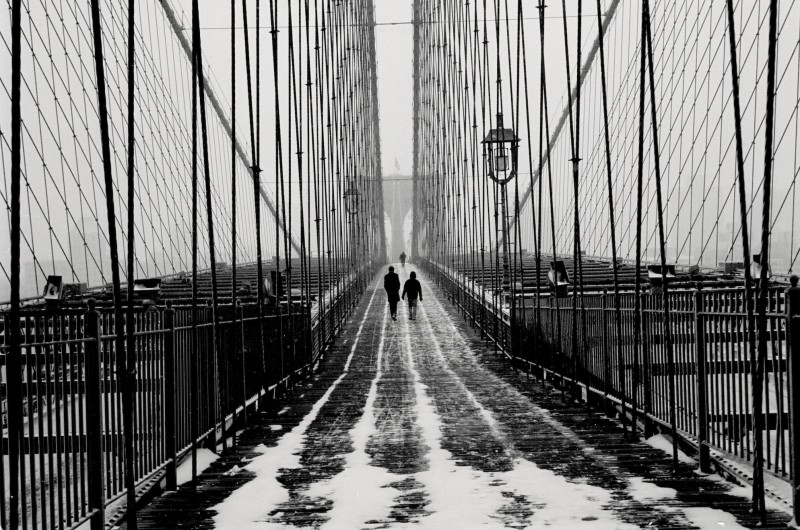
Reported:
(248, 506)
(439, 442)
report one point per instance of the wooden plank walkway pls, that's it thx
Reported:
(419, 424)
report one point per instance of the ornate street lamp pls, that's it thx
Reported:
(352, 197)
(498, 143)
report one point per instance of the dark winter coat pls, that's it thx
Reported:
(391, 282)
(413, 289)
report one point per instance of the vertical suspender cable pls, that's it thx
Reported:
(234, 312)
(298, 120)
(129, 326)
(518, 268)
(290, 216)
(573, 125)
(536, 226)
(128, 401)
(546, 159)
(541, 140)
(319, 177)
(637, 301)
(216, 398)
(312, 183)
(415, 193)
(612, 220)
(257, 159)
(660, 212)
(475, 52)
(279, 214)
(195, 386)
(577, 160)
(124, 371)
(740, 172)
(763, 287)
(13, 358)
(256, 175)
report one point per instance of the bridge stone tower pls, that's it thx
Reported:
(397, 200)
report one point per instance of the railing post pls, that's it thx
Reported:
(649, 428)
(793, 347)
(169, 396)
(213, 384)
(702, 387)
(607, 403)
(94, 418)
(243, 363)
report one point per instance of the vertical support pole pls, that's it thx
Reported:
(415, 194)
(125, 367)
(763, 281)
(607, 404)
(649, 429)
(793, 348)
(169, 396)
(702, 386)
(14, 355)
(94, 419)
(243, 364)
(211, 380)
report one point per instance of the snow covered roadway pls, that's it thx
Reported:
(417, 424)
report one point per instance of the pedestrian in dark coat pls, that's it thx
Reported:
(413, 289)
(391, 282)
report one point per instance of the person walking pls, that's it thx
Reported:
(403, 259)
(413, 289)
(391, 282)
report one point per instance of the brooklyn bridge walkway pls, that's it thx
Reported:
(419, 424)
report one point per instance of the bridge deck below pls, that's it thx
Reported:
(418, 423)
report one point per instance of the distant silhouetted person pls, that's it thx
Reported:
(413, 289)
(403, 259)
(391, 282)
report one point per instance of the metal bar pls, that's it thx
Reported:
(14, 398)
(124, 371)
(128, 357)
(793, 352)
(415, 217)
(702, 397)
(94, 420)
(758, 382)
(169, 397)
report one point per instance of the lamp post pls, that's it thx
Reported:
(352, 199)
(498, 143)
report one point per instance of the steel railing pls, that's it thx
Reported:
(711, 368)
(72, 460)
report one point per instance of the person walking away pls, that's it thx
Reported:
(391, 282)
(403, 259)
(413, 289)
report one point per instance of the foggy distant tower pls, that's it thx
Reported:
(397, 204)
